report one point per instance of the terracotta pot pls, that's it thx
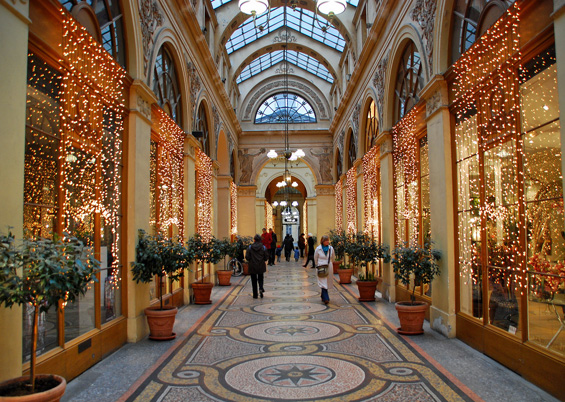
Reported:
(51, 395)
(245, 268)
(224, 277)
(161, 322)
(411, 317)
(336, 265)
(202, 292)
(367, 290)
(344, 275)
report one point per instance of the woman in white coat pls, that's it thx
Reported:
(324, 255)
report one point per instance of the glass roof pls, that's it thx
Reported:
(218, 3)
(299, 59)
(285, 107)
(300, 20)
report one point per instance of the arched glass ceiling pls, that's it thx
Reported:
(218, 3)
(301, 20)
(299, 59)
(285, 107)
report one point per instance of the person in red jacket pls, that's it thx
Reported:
(266, 239)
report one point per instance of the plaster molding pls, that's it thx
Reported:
(379, 84)
(281, 84)
(150, 18)
(284, 37)
(435, 94)
(246, 191)
(384, 141)
(284, 69)
(424, 13)
(141, 99)
(246, 162)
(325, 189)
(355, 123)
(195, 84)
(324, 163)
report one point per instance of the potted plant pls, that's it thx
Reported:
(43, 273)
(205, 252)
(243, 243)
(340, 242)
(365, 250)
(158, 256)
(416, 265)
(227, 248)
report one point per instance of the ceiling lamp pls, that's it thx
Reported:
(283, 203)
(330, 7)
(275, 204)
(253, 7)
(287, 177)
(294, 184)
(294, 203)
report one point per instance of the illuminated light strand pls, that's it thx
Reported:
(305, 217)
(233, 208)
(351, 200)
(204, 171)
(405, 178)
(170, 172)
(268, 215)
(339, 205)
(371, 184)
(92, 115)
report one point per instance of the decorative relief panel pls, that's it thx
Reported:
(195, 84)
(284, 69)
(246, 163)
(355, 122)
(325, 158)
(379, 84)
(424, 14)
(151, 18)
(325, 190)
(283, 36)
(246, 191)
(217, 122)
(433, 103)
(143, 106)
(281, 84)
(340, 141)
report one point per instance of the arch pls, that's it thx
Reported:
(223, 154)
(338, 163)
(166, 37)
(295, 109)
(274, 176)
(407, 34)
(369, 108)
(263, 161)
(442, 35)
(134, 39)
(272, 188)
(273, 85)
(203, 120)
(281, 46)
(350, 148)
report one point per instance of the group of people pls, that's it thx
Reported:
(262, 253)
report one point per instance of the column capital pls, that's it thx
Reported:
(141, 98)
(384, 141)
(435, 94)
(246, 191)
(325, 190)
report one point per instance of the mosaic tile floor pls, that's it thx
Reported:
(289, 346)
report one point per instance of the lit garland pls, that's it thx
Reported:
(487, 96)
(92, 127)
(170, 173)
(371, 186)
(338, 205)
(351, 200)
(203, 195)
(305, 217)
(268, 215)
(233, 208)
(406, 206)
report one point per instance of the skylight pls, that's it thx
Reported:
(218, 3)
(283, 108)
(301, 20)
(298, 59)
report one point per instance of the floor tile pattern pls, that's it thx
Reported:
(289, 346)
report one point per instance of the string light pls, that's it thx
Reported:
(233, 208)
(305, 217)
(351, 200)
(371, 184)
(268, 215)
(339, 205)
(170, 173)
(203, 195)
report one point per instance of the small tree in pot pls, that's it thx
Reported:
(206, 252)
(227, 248)
(416, 265)
(339, 241)
(43, 273)
(366, 251)
(158, 256)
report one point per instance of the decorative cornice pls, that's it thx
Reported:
(276, 84)
(246, 191)
(150, 19)
(325, 189)
(424, 14)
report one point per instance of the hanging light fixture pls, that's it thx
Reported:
(253, 7)
(331, 7)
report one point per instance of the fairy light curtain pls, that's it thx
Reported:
(169, 180)
(351, 200)
(204, 199)
(338, 205)
(305, 217)
(233, 208)
(371, 187)
(406, 188)
(268, 215)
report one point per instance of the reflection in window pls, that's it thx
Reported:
(166, 85)
(285, 108)
(409, 81)
(201, 125)
(351, 151)
(372, 126)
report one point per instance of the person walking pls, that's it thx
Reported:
(324, 255)
(266, 240)
(301, 244)
(256, 256)
(288, 246)
(273, 246)
(310, 252)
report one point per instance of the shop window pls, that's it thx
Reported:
(409, 81)
(166, 85)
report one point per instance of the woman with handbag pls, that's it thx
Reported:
(323, 259)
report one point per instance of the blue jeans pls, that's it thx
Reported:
(325, 295)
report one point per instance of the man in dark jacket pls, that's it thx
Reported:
(288, 246)
(256, 256)
(273, 246)
(310, 251)
(301, 244)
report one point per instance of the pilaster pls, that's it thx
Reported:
(559, 32)
(223, 206)
(324, 210)
(246, 219)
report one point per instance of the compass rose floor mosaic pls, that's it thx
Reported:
(289, 346)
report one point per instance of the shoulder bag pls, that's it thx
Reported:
(323, 269)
